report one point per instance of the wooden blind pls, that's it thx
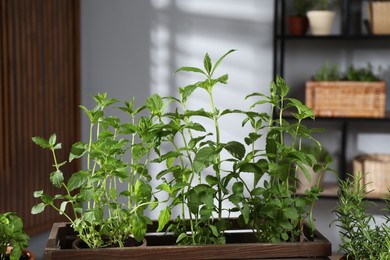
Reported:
(39, 95)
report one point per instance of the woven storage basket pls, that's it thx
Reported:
(379, 16)
(346, 98)
(376, 171)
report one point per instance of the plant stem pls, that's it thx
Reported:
(217, 173)
(89, 160)
(131, 175)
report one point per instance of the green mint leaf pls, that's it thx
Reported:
(220, 60)
(191, 69)
(77, 180)
(155, 104)
(204, 158)
(186, 92)
(236, 149)
(207, 63)
(57, 178)
(163, 218)
(38, 208)
(41, 142)
(38, 193)
(78, 150)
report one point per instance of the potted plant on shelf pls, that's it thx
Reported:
(202, 189)
(298, 22)
(357, 93)
(360, 238)
(321, 16)
(13, 240)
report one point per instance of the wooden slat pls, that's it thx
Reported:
(9, 112)
(36, 84)
(39, 95)
(2, 79)
(29, 129)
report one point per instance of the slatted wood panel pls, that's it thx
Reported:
(39, 95)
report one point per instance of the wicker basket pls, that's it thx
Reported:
(346, 98)
(379, 17)
(376, 171)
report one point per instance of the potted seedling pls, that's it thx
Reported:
(208, 185)
(13, 240)
(359, 92)
(101, 212)
(321, 17)
(361, 238)
(298, 22)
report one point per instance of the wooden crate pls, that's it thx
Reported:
(376, 171)
(240, 245)
(346, 98)
(379, 17)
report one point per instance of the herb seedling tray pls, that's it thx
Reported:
(240, 245)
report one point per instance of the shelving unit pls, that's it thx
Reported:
(350, 36)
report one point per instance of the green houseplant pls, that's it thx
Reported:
(12, 237)
(297, 21)
(201, 180)
(100, 212)
(332, 73)
(201, 183)
(360, 240)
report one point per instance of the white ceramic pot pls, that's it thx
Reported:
(321, 21)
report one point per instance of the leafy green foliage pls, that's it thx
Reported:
(361, 74)
(12, 234)
(302, 6)
(275, 212)
(111, 144)
(324, 4)
(327, 73)
(197, 153)
(359, 239)
(200, 179)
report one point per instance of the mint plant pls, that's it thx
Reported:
(273, 209)
(200, 181)
(199, 195)
(360, 240)
(12, 235)
(203, 176)
(90, 199)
